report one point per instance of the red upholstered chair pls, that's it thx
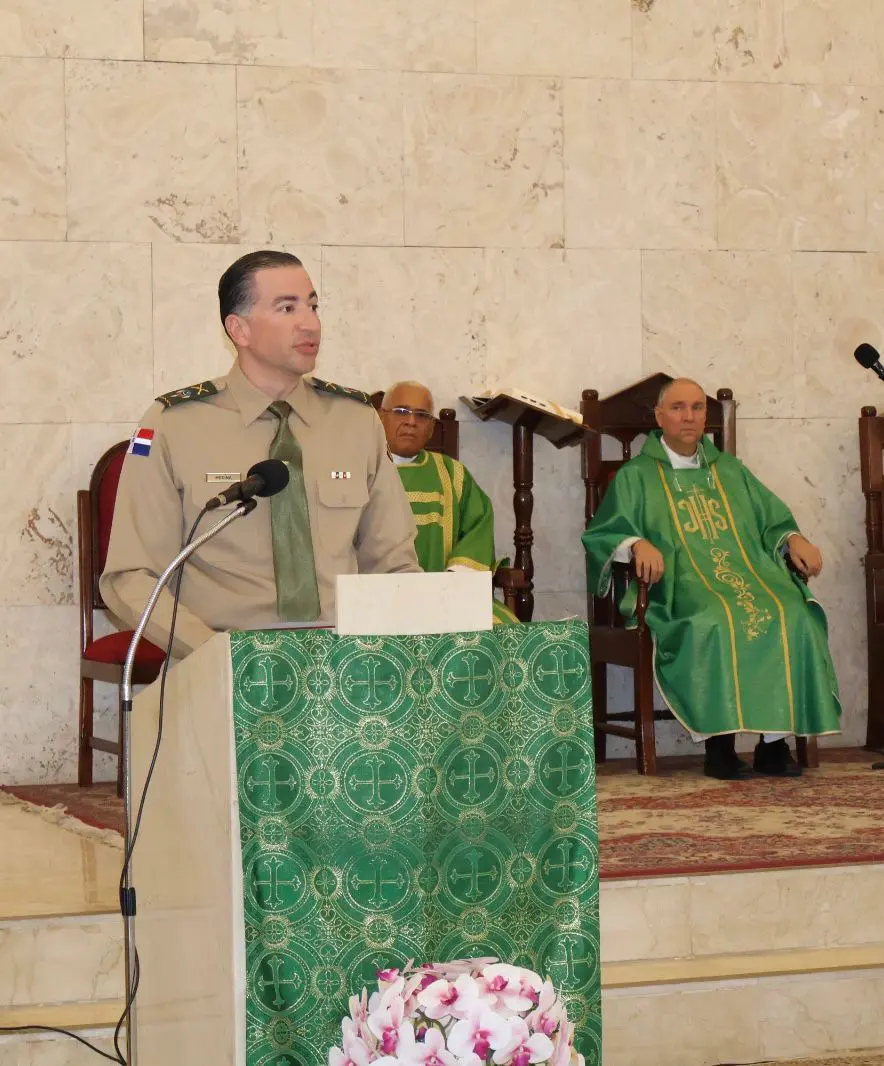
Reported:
(102, 659)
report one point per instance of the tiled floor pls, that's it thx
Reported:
(50, 871)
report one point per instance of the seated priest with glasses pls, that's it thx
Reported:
(740, 643)
(454, 517)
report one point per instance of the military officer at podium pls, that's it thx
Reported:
(344, 510)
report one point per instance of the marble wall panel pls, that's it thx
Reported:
(723, 318)
(438, 35)
(792, 166)
(392, 314)
(813, 465)
(577, 38)
(708, 40)
(836, 307)
(559, 322)
(151, 152)
(38, 694)
(320, 156)
(75, 334)
(99, 29)
(640, 164)
(483, 161)
(229, 31)
(32, 198)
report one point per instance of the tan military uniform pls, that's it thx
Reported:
(360, 518)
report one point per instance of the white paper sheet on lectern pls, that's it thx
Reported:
(413, 604)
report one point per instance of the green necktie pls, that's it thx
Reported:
(297, 597)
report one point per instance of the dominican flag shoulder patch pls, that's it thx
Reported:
(141, 442)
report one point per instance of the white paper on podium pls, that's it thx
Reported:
(413, 604)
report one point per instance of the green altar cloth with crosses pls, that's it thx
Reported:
(425, 798)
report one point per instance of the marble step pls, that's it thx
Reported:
(61, 960)
(95, 1022)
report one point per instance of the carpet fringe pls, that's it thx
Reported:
(59, 816)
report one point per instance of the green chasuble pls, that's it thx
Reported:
(427, 798)
(740, 645)
(454, 517)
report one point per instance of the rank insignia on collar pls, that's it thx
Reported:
(331, 389)
(192, 392)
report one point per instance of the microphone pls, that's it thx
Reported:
(868, 357)
(264, 479)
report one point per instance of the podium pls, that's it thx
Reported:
(326, 806)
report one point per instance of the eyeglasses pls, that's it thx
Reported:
(411, 412)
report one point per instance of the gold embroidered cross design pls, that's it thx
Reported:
(757, 619)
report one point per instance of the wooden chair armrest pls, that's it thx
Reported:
(641, 600)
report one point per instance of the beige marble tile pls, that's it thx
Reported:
(565, 37)
(32, 200)
(830, 42)
(99, 29)
(813, 465)
(873, 176)
(37, 526)
(837, 306)
(61, 961)
(791, 166)
(486, 448)
(49, 871)
(58, 1051)
(392, 314)
(75, 333)
(229, 31)
(189, 341)
(681, 1025)
(435, 35)
(38, 691)
(822, 1013)
(483, 161)
(728, 40)
(645, 920)
(559, 322)
(132, 128)
(724, 318)
(320, 156)
(639, 164)
(778, 910)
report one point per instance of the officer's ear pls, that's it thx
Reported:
(238, 330)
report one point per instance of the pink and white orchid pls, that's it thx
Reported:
(442, 999)
(430, 1052)
(523, 1046)
(516, 989)
(386, 1018)
(549, 1013)
(482, 1031)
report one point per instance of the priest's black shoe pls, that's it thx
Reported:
(775, 760)
(722, 762)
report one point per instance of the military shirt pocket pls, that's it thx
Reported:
(341, 503)
(343, 492)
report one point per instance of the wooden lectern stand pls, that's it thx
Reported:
(527, 421)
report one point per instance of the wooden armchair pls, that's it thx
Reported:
(446, 441)
(871, 454)
(625, 416)
(102, 659)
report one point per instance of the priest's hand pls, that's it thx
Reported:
(806, 556)
(648, 561)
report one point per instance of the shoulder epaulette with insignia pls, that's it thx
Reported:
(329, 387)
(192, 392)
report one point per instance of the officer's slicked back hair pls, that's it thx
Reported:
(236, 293)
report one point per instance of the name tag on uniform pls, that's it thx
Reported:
(224, 477)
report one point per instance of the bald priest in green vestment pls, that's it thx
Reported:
(454, 517)
(740, 643)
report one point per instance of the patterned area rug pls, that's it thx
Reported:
(98, 806)
(679, 822)
(682, 822)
